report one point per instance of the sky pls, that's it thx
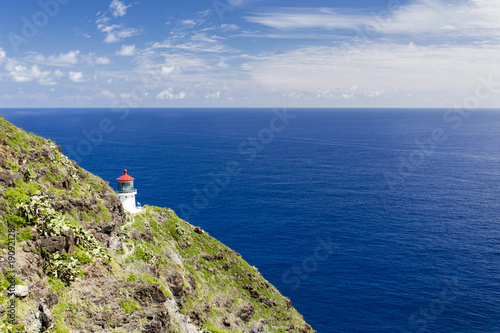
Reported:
(248, 53)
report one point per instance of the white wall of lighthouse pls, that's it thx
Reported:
(128, 201)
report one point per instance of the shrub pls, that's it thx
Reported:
(56, 285)
(82, 256)
(15, 219)
(132, 277)
(130, 306)
(37, 210)
(214, 330)
(24, 234)
(12, 166)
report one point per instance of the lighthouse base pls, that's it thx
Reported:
(128, 202)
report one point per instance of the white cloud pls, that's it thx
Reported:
(423, 70)
(222, 63)
(350, 92)
(472, 18)
(295, 95)
(80, 33)
(188, 22)
(181, 95)
(119, 8)
(102, 60)
(68, 59)
(116, 32)
(107, 94)
(2, 53)
(167, 62)
(20, 73)
(127, 50)
(168, 94)
(71, 57)
(76, 77)
(300, 18)
(23, 96)
(91, 59)
(424, 50)
(229, 27)
(214, 95)
(198, 42)
(62, 59)
(327, 94)
(167, 70)
(378, 92)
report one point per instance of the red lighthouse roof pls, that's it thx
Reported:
(125, 177)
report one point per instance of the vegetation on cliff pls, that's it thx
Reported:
(82, 264)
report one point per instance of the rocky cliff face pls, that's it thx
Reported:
(72, 260)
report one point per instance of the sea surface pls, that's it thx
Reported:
(369, 220)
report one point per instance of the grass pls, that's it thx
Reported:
(82, 256)
(132, 277)
(56, 285)
(130, 306)
(215, 330)
(24, 234)
(12, 166)
(59, 313)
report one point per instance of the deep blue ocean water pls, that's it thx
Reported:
(369, 220)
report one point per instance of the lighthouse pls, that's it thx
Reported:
(127, 192)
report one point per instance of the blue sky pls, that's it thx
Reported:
(247, 53)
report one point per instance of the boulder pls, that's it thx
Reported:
(54, 244)
(245, 312)
(21, 291)
(45, 296)
(114, 243)
(176, 284)
(66, 184)
(150, 293)
(65, 243)
(254, 293)
(197, 317)
(146, 235)
(70, 240)
(268, 302)
(46, 316)
(33, 323)
(9, 178)
(157, 321)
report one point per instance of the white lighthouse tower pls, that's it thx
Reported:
(127, 192)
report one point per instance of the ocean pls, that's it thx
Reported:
(370, 220)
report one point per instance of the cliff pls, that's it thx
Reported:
(72, 260)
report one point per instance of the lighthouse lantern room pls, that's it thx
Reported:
(127, 192)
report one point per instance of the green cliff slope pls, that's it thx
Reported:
(80, 263)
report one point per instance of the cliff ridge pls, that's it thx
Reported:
(73, 260)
